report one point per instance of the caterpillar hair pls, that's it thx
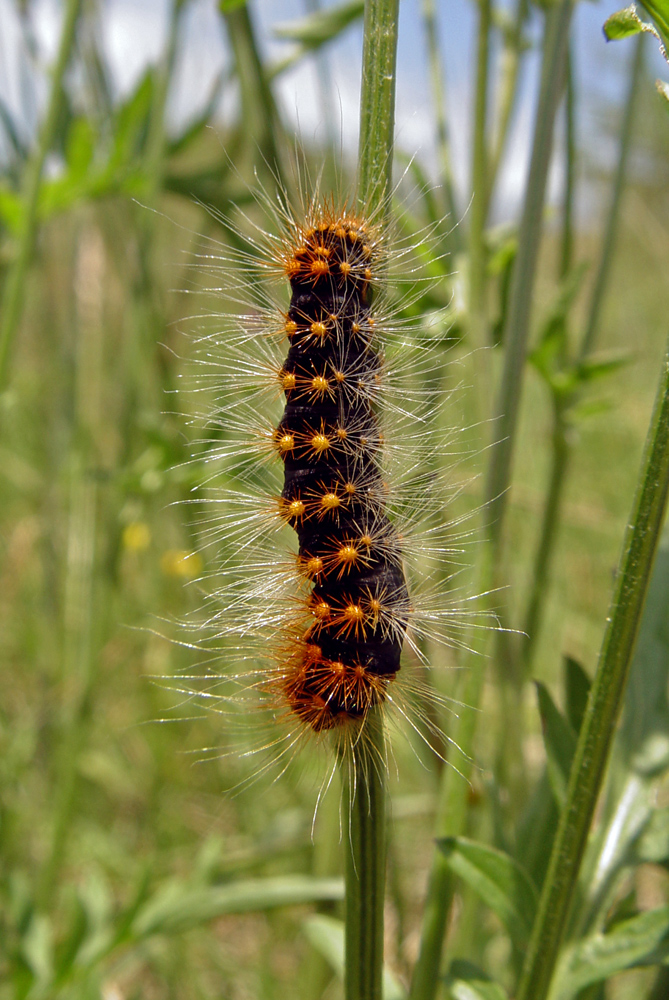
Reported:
(323, 503)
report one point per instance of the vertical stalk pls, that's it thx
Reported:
(259, 111)
(548, 534)
(517, 326)
(604, 703)
(604, 269)
(567, 248)
(451, 815)
(11, 305)
(438, 82)
(454, 791)
(561, 446)
(479, 179)
(365, 868)
(79, 597)
(508, 91)
(325, 85)
(377, 104)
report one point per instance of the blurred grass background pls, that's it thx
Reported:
(104, 811)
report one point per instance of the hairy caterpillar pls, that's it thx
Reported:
(320, 434)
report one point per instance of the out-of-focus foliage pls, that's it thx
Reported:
(130, 866)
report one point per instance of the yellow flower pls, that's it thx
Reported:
(179, 562)
(136, 536)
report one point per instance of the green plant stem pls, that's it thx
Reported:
(604, 703)
(260, 115)
(438, 83)
(365, 764)
(549, 524)
(154, 156)
(508, 91)
(13, 295)
(608, 246)
(365, 869)
(326, 89)
(479, 179)
(377, 105)
(454, 791)
(561, 447)
(80, 615)
(451, 822)
(567, 248)
(517, 326)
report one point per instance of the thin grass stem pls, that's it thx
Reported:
(13, 294)
(508, 94)
(567, 242)
(365, 869)
(438, 84)
(377, 103)
(517, 326)
(479, 178)
(604, 703)
(561, 448)
(364, 767)
(610, 233)
(454, 792)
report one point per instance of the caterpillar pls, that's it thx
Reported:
(333, 496)
(324, 471)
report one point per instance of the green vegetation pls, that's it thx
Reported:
(138, 855)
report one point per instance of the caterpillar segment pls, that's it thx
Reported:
(329, 440)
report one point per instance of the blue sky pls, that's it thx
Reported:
(134, 31)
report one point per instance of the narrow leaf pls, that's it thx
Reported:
(577, 689)
(499, 880)
(178, 907)
(467, 982)
(321, 26)
(653, 845)
(643, 940)
(625, 23)
(643, 740)
(560, 742)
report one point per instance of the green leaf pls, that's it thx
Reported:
(536, 829)
(322, 26)
(467, 982)
(179, 907)
(19, 147)
(37, 948)
(11, 210)
(326, 935)
(643, 940)
(560, 742)
(130, 126)
(76, 925)
(198, 125)
(625, 23)
(577, 689)
(591, 369)
(653, 844)
(643, 740)
(226, 6)
(80, 147)
(499, 880)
